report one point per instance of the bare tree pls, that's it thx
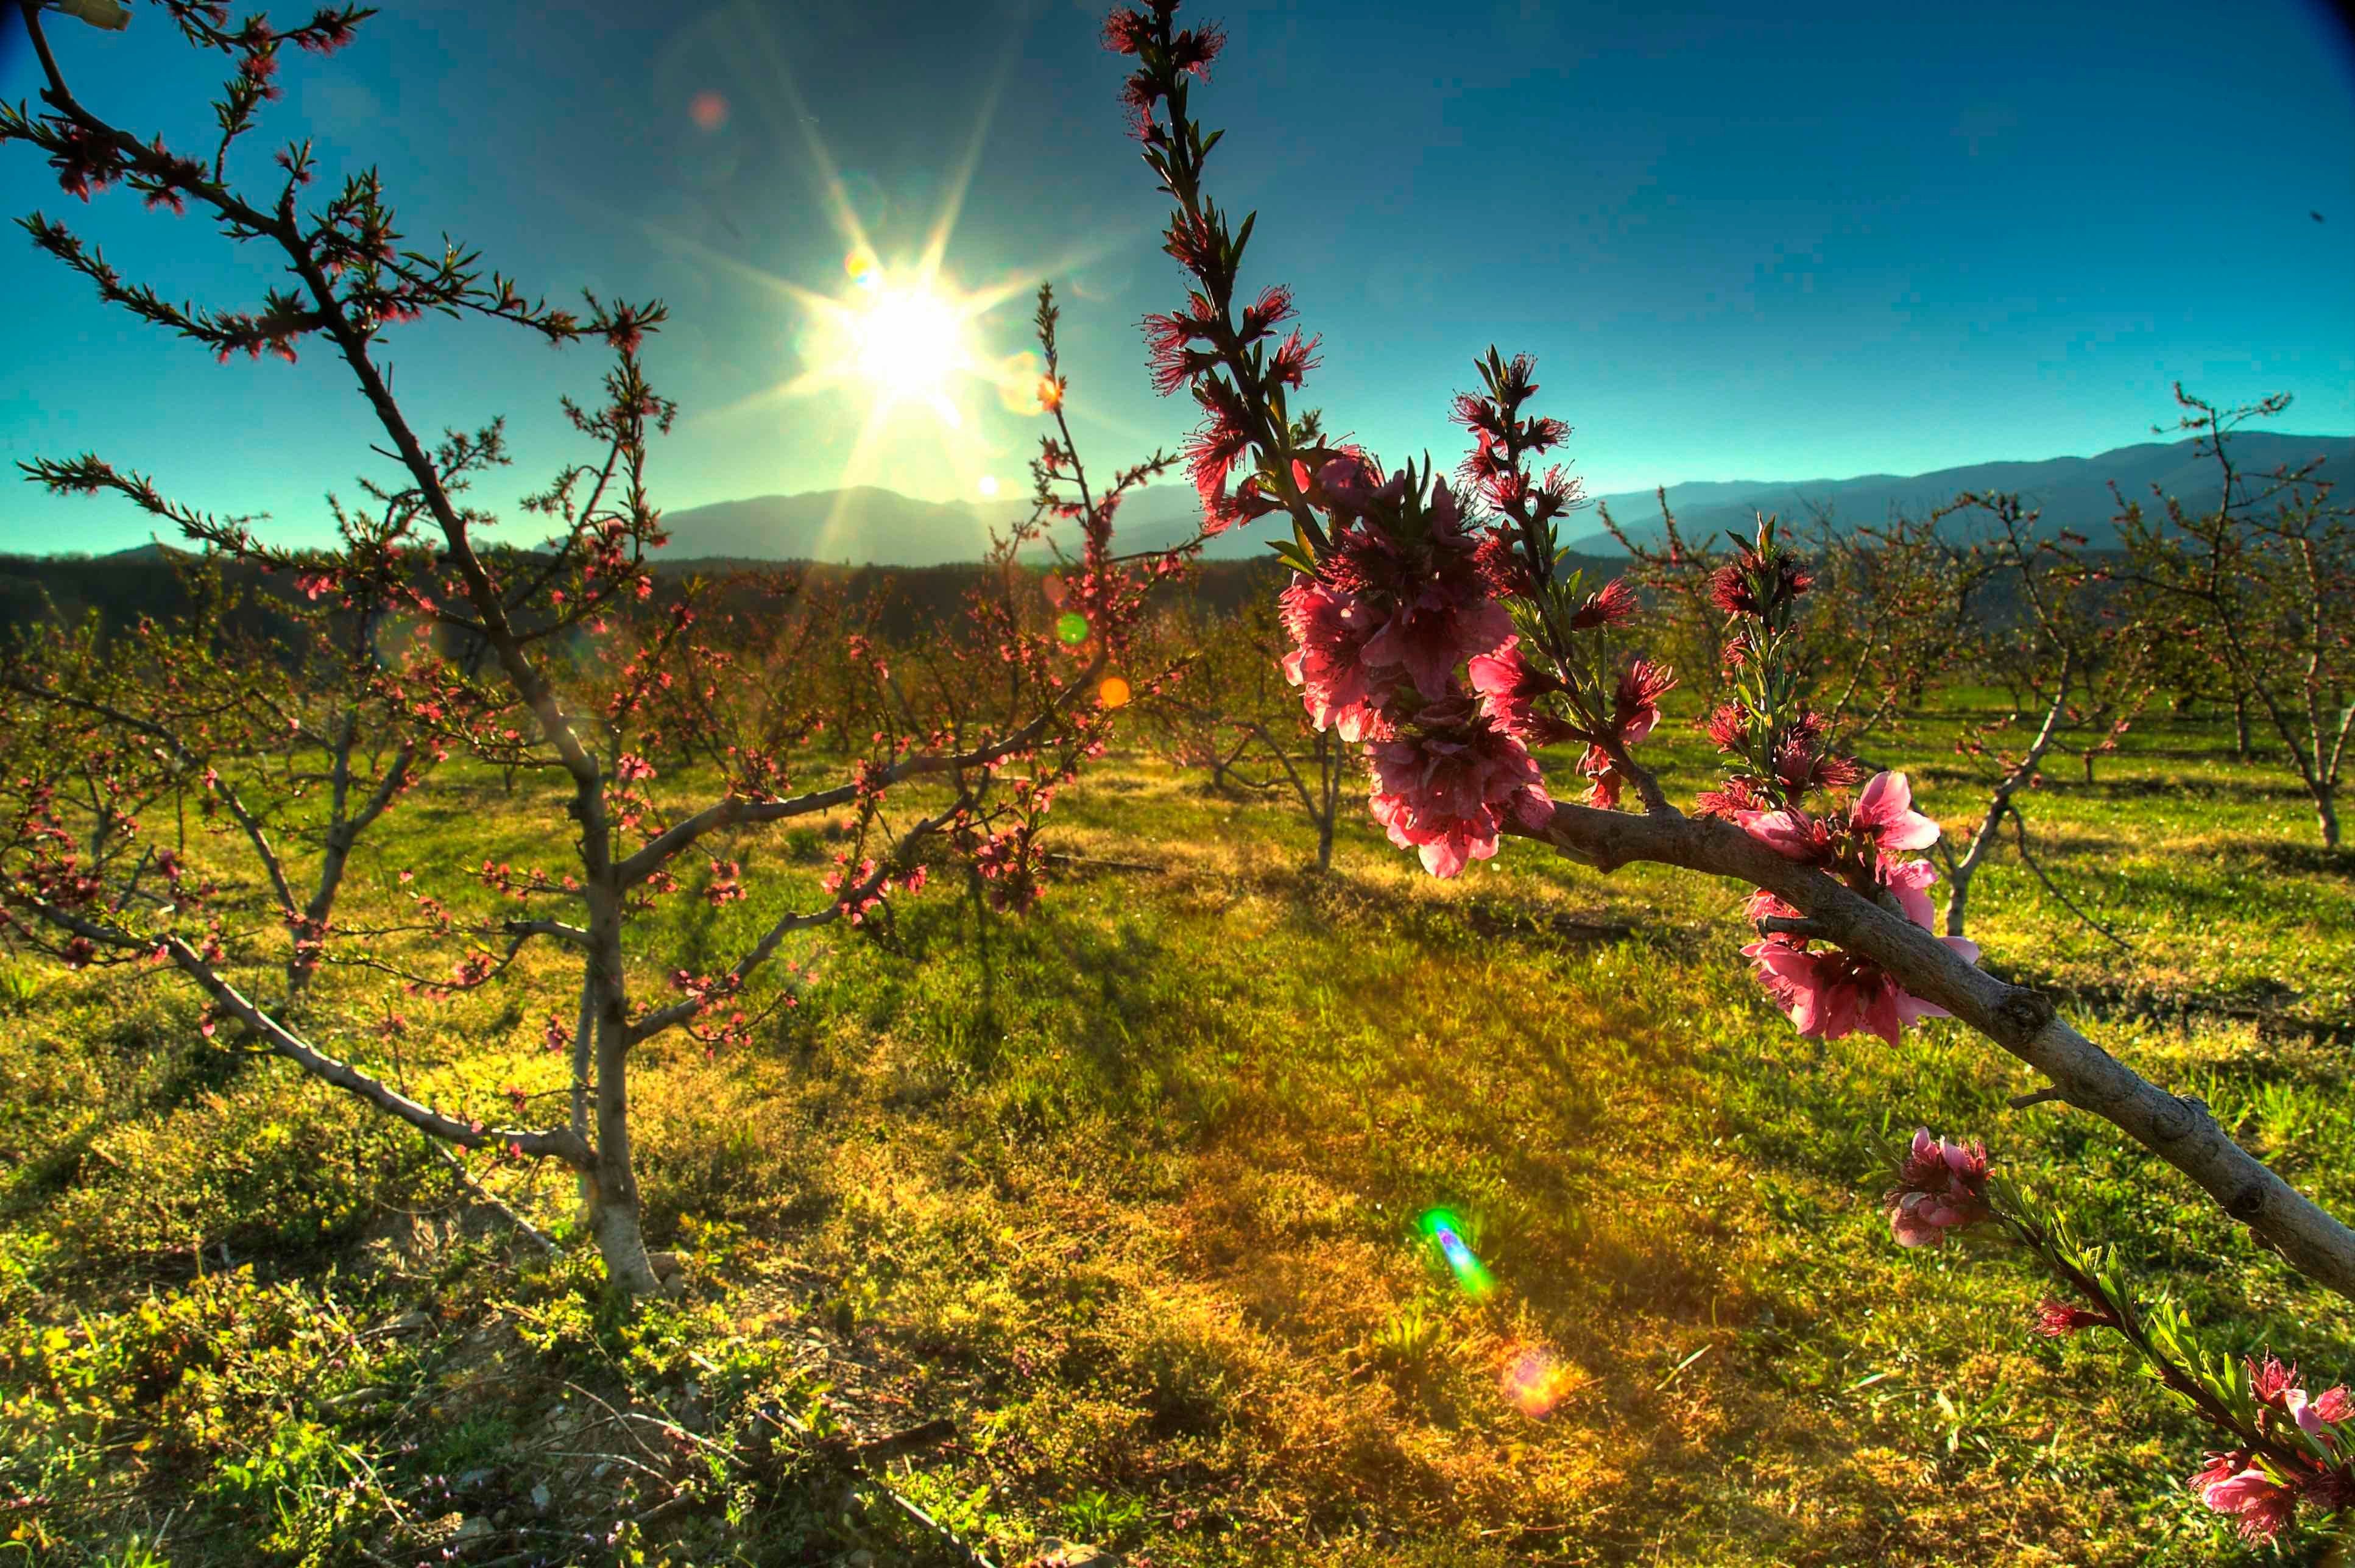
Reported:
(2078, 661)
(489, 678)
(2267, 577)
(1233, 713)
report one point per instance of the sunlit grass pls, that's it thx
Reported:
(1129, 1190)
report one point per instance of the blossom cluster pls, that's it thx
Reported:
(1940, 1187)
(1780, 757)
(2309, 1456)
(1403, 598)
(2287, 1447)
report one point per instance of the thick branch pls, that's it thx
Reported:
(2178, 1130)
(560, 1145)
(734, 811)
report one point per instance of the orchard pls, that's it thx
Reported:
(941, 1095)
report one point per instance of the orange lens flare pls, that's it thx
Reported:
(1533, 1384)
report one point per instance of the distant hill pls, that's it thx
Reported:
(2074, 491)
(868, 526)
(875, 527)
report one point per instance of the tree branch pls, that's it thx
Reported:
(559, 1144)
(2179, 1129)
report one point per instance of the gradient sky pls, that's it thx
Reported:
(1751, 240)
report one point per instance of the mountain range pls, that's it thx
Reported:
(872, 525)
(869, 525)
(2073, 492)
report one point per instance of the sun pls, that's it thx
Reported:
(909, 354)
(908, 343)
(904, 335)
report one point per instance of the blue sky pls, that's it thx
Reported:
(1743, 240)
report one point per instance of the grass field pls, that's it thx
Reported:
(1128, 1190)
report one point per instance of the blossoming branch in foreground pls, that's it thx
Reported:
(2289, 1447)
(1448, 790)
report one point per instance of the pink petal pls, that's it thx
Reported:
(1785, 832)
(1880, 1014)
(1911, 831)
(1888, 797)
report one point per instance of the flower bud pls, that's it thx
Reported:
(108, 15)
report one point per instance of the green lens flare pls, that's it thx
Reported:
(1447, 1234)
(1072, 628)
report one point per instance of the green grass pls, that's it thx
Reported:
(1129, 1189)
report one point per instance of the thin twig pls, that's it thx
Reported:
(490, 1198)
(2019, 831)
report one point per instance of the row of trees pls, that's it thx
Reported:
(2240, 601)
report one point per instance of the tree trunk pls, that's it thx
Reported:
(615, 1222)
(1329, 757)
(2241, 727)
(582, 1033)
(614, 1197)
(613, 1188)
(2326, 807)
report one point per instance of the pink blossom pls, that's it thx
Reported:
(1613, 605)
(1884, 814)
(2334, 1405)
(1759, 581)
(1940, 1187)
(1509, 687)
(2231, 1485)
(1448, 789)
(1437, 629)
(2316, 1414)
(1330, 630)
(1790, 832)
(1442, 613)
(2270, 1381)
(1909, 882)
(2058, 1319)
(1829, 994)
(1350, 487)
(1636, 706)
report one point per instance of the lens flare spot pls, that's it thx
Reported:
(1073, 628)
(1054, 588)
(1533, 1384)
(1018, 377)
(708, 109)
(1113, 692)
(1447, 1234)
(989, 486)
(864, 269)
